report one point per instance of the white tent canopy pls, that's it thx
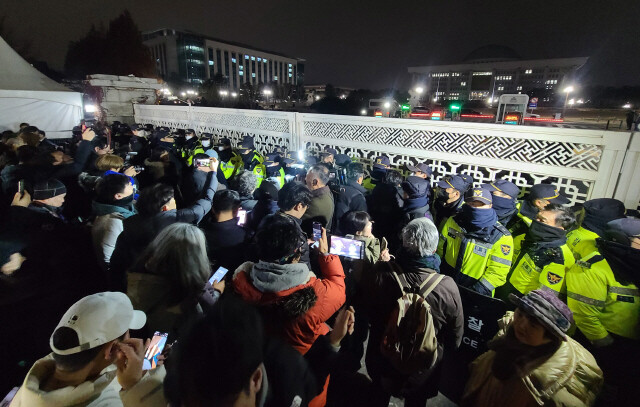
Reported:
(26, 95)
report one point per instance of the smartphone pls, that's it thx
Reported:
(242, 217)
(351, 248)
(332, 175)
(317, 231)
(154, 350)
(383, 244)
(6, 401)
(21, 187)
(218, 275)
(202, 162)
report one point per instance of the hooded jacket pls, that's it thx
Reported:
(106, 228)
(101, 392)
(570, 377)
(298, 313)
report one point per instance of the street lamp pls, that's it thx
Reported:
(363, 112)
(234, 94)
(567, 90)
(419, 90)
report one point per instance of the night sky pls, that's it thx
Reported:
(363, 44)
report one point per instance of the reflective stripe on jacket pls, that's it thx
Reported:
(547, 268)
(474, 260)
(582, 242)
(601, 304)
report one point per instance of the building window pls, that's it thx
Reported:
(253, 58)
(253, 74)
(519, 88)
(528, 71)
(482, 73)
(463, 83)
(233, 60)
(275, 78)
(241, 73)
(226, 63)
(246, 57)
(500, 87)
(259, 59)
(219, 59)
(551, 82)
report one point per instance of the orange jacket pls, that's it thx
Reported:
(300, 331)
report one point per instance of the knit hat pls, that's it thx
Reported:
(420, 167)
(547, 309)
(415, 187)
(48, 189)
(598, 212)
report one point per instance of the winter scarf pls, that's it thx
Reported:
(504, 207)
(126, 208)
(409, 261)
(273, 278)
(542, 235)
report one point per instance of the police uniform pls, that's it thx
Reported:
(259, 168)
(471, 260)
(380, 165)
(270, 159)
(597, 213)
(546, 268)
(520, 223)
(601, 304)
(231, 167)
(581, 242)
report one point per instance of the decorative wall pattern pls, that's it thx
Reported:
(562, 154)
(586, 165)
(576, 190)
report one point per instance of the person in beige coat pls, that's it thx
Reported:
(532, 362)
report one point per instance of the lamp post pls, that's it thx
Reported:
(567, 90)
(267, 93)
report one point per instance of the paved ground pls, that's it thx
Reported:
(352, 392)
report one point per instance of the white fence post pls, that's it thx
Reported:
(628, 186)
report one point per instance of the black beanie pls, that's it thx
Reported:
(48, 189)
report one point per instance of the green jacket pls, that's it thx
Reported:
(321, 207)
(601, 304)
(472, 260)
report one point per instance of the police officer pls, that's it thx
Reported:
(597, 213)
(476, 249)
(380, 166)
(420, 170)
(603, 293)
(252, 160)
(542, 255)
(139, 144)
(538, 198)
(505, 198)
(449, 198)
(274, 168)
(328, 156)
(230, 161)
(468, 180)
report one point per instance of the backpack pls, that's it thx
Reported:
(409, 342)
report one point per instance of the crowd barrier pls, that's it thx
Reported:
(584, 164)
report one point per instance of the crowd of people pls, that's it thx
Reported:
(225, 253)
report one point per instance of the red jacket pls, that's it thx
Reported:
(302, 330)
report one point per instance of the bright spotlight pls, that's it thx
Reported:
(90, 108)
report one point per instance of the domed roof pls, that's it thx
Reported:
(492, 53)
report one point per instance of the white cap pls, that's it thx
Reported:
(98, 319)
